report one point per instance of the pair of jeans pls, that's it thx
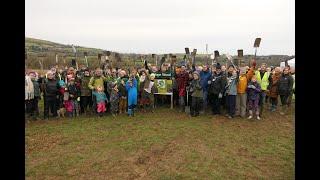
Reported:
(274, 103)
(50, 103)
(231, 99)
(284, 100)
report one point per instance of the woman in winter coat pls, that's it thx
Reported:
(273, 89)
(231, 93)
(196, 93)
(285, 89)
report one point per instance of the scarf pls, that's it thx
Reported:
(29, 89)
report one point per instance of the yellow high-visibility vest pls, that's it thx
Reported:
(264, 82)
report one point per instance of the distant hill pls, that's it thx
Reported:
(43, 51)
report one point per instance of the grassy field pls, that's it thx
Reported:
(161, 145)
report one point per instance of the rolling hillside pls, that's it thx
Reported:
(43, 51)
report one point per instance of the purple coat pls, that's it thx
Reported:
(253, 94)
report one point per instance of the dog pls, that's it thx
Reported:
(61, 112)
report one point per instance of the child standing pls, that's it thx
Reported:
(196, 94)
(253, 91)
(100, 100)
(131, 87)
(114, 99)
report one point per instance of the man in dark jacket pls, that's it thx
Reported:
(216, 88)
(50, 92)
(205, 76)
(285, 85)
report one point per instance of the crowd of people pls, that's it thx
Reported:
(233, 91)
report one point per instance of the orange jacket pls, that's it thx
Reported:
(242, 84)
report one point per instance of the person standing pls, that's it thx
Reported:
(216, 89)
(97, 80)
(182, 79)
(50, 89)
(85, 96)
(241, 101)
(205, 76)
(263, 78)
(231, 93)
(196, 93)
(285, 89)
(273, 89)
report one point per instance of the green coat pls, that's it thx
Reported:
(96, 81)
(196, 88)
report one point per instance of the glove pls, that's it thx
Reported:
(220, 95)
(253, 87)
(78, 99)
(209, 82)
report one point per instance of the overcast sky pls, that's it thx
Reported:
(165, 26)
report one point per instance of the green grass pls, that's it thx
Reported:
(164, 145)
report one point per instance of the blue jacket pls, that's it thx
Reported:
(100, 97)
(205, 76)
(132, 93)
(231, 88)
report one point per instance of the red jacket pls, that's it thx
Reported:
(182, 80)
